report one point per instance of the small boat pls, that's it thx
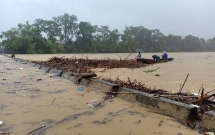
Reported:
(152, 61)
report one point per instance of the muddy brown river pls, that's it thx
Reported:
(56, 103)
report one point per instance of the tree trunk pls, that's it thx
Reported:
(85, 75)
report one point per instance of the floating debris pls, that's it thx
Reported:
(17, 81)
(1, 123)
(79, 88)
(209, 133)
(82, 69)
(2, 132)
(84, 65)
(42, 126)
(39, 79)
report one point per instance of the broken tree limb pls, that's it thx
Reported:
(209, 91)
(202, 93)
(108, 92)
(85, 75)
(183, 84)
(199, 100)
(127, 56)
(179, 96)
(160, 123)
(155, 69)
(211, 100)
(129, 81)
(53, 101)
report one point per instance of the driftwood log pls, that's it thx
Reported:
(85, 75)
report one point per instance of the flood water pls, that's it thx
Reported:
(56, 103)
(199, 66)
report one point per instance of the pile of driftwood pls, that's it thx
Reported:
(84, 65)
(204, 101)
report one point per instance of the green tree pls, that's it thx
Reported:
(174, 43)
(84, 36)
(41, 37)
(67, 24)
(192, 44)
(210, 46)
(28, 39)
(128, 42)
(50, 28)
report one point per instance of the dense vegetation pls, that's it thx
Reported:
(43, 36)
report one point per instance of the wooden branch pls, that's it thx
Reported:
(183, 84)
(209, 91)
(179, 96)
(155, 69)
(108, 92)
(129, 81)
(87, 75)
(202, 93)
(199, 100)
(53, 101)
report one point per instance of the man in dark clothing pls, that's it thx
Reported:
(155, 57)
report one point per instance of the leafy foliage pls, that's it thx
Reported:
(63, 34)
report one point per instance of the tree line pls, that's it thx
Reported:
(63, 34)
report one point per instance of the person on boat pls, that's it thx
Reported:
(13, 55)
(155, 57)
(138, 56)
(164, 56)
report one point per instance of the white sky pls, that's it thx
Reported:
(178, 17)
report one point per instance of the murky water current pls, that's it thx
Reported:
(56, 103)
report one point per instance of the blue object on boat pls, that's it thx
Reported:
(170, 59)
(80, 88)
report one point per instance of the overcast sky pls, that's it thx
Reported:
(178, 17)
